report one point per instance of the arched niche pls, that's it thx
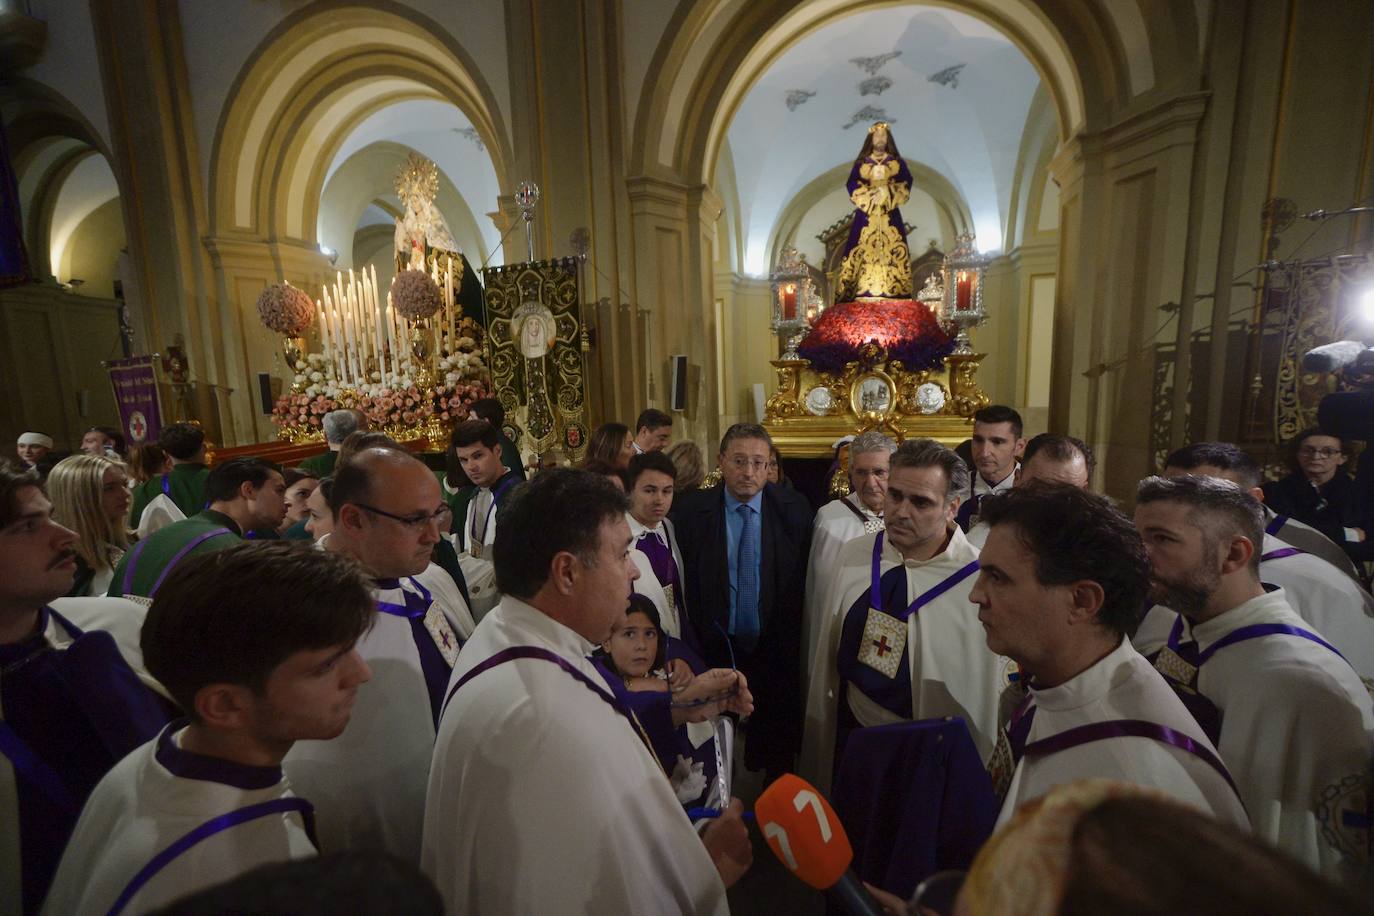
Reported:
(311, 83)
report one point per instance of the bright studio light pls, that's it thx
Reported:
(1364, 303)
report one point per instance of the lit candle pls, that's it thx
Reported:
(789, 302)
(452, 308)
(963, 292)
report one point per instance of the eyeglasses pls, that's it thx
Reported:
(1309, 452)
(739, 463)
(443, 517)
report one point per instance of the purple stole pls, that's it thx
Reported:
(70, 715)
(432, 664)
(661, 561)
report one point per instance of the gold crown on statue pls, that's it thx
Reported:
(417, 177)
(878, 125)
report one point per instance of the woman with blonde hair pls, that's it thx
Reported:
(690, 464)
(90, 495)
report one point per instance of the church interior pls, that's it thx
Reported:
(1125, 169)
(500, 234)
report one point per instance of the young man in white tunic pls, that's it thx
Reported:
(368, 786)
(1049, 457)
(650, 480)
(837, 523)
(1335, 605)
(543, 798)
(206, 801)
(1297, 725)
(877, 665)
(477, 446)
(1062, 581)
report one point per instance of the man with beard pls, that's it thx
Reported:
(839, 522)
(1061, 582)
(1296, 722)
(901, 641)
(1335, 606)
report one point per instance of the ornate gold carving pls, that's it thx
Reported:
(966, 397)
(535, 339)
(785, 402)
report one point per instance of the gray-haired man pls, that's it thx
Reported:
(338, 424)
(839, 522)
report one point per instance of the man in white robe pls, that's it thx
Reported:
(1049, 457)
(1335, 605)
(1061, 583)
(1297, 725)
(543, 797)
(368, 785)
(996, 446)
(282, 667)
(837, 523)
(877, 666)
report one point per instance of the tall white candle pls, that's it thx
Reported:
(324, 332)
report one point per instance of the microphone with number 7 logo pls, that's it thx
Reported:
(802, 830)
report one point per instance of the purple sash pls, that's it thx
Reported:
(138, 550)
(515, 652)
(1275, 524)
(510, 480)
(1279, 554)
(208, 829)
(433, 666)
(410, 609)
(35, 770)
(1129, 728)
(875, 594)
(1254, 631)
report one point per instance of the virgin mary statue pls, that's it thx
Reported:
(877, 263)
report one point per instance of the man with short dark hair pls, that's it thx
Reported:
(744, 547)
(544, 796)
(256, 670)
(490, 409)
(73, 701)
(243, 494)
(368, 785)
(179, 493)
(476, 446)
(653, 431)
(1339, 609)
(1062, 580)
(1052, 458)
(1296, 722)
(337, 426)
(649, 483)
(906, 646)
(1229, 462)
(840, 521)
(996, 446)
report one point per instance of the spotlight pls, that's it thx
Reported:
(329, 253)
(1364, 304)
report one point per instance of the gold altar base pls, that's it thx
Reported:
(812, 409)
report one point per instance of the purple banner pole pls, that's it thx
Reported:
(136, 394)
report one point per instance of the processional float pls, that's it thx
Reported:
(878, 357)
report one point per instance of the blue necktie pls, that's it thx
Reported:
(747, 582)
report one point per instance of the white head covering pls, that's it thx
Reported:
(35, 439)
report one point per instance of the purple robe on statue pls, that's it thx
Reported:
(876, 264)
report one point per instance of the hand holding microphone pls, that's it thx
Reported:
(727, 842)
(802, 830)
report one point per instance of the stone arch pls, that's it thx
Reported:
(314, 78)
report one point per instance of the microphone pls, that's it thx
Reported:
(802, 830)
(1331, 357)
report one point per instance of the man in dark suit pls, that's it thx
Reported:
(744, 546)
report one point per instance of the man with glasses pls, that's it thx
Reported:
(368, 785)
(476, 445)
(244, 494)
(744, 548)
(1320, 493)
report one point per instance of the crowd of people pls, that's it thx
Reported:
(532, 688)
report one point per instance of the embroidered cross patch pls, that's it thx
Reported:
(884, 640)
